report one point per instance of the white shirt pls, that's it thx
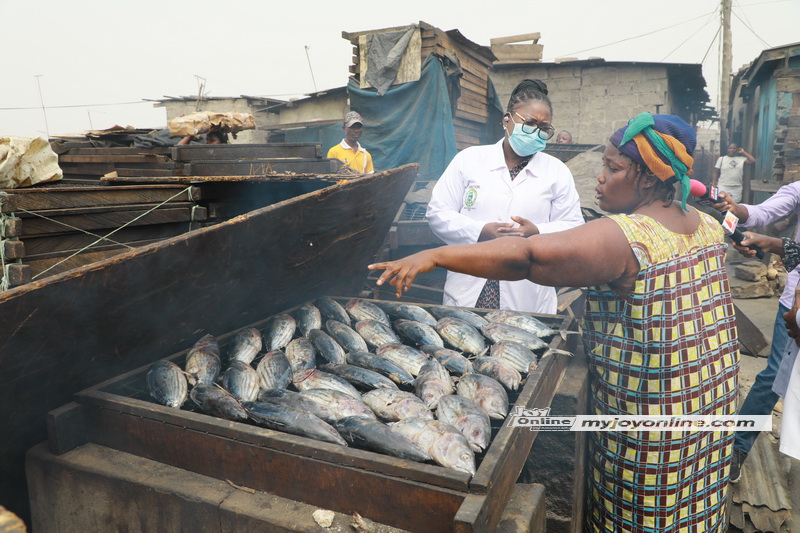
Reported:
(731, 170)
(476, 188)
(790, 427)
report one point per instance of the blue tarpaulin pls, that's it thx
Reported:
(411, 123)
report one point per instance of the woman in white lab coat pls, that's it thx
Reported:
(505, 189)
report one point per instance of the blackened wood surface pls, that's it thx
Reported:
(64, 242)
(287, 471)
(70, 331)
(107, 217)
(255, 167)
(66, 197)
(245, 151)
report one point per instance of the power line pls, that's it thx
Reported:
(692, 35)
(639, 36)
(70, 106)
(746, 25)
(710, 45)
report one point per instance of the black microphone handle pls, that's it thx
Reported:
(737, 236)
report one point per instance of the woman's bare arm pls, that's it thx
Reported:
(594, 253)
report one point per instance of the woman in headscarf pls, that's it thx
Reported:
(659, 327)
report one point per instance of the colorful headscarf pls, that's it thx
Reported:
(662, 143)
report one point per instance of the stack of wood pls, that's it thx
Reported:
(53, 228)
(473, 105)
(516, 49)
(157, 193)
(88, 162)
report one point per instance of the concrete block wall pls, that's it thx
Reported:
(592, 101)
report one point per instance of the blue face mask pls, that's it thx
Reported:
(525, 144)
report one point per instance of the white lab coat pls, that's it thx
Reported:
(476, 188)
(790, 426)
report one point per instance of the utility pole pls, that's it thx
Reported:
(725, 76)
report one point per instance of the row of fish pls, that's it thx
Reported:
(392, 378)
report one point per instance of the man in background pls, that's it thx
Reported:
(729, 170)
(349, 151)
(564, 137)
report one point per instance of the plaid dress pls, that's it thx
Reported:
(670, 347)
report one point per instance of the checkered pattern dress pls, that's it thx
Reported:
(668, 348)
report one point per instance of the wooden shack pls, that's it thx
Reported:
(470, 63)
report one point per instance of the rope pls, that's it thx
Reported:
(100, 237)
(191, 217)
(111, 233)
(4, 283)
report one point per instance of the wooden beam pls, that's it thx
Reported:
(246, 151)
(13, 249)
(111, 217)
(97, 196)
(516, 39)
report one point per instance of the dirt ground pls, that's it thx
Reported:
(761, 311)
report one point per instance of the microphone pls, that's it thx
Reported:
(705, 196)
(728, 221)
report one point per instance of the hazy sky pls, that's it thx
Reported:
(97, 60)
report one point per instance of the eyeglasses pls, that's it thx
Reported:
(546, 131)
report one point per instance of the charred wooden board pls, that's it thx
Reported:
(246, 151)
(66, 242)
(300, 177)
(56, 262)
(75, 329)
(53, 221)
(257, 167)
(96, 196)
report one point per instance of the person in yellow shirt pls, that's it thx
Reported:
(349, 151)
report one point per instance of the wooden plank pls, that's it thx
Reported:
(535, 36)
(248, 168)
(247, 434)
(12, 249)
(246, 151)
(52, 264)
(111, 217)
(119, 150)
(465, 141)
(143, 172)
(66, 428)
(330, 486)
(18, 274)
(65, 242)
(54, 198)
(520, 52)
(114, 158)
(12, 226)
(156, 299)
(204, 180)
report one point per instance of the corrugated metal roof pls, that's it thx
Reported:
(761, 500)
